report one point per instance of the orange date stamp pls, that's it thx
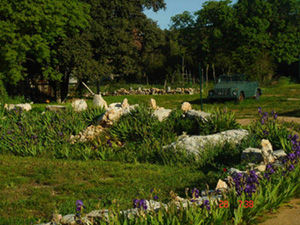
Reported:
(242, 204)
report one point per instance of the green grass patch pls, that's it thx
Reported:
(33, 188)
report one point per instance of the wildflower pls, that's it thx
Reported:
(275, 116)
(224, 170)
(259, 110)
(195, 193)
(79, 205)
(262, 121)
(109, 143)
(265, 114)
(291, 156)
(291, 167)
(206, 204)
(142, 203)
(135, 203)
(151, 190)
(155, 197)
(265, 132)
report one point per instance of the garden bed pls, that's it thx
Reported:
(136, 138)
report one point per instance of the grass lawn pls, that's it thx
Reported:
(33, 188)
(284, 99)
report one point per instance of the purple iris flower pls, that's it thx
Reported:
(79, 205)
(136, 203)
(259, 110)
(206, 204)
(292, 167)
(195, 193)
(155, 197)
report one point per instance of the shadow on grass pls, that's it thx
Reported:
(294, 113)
(209, 101)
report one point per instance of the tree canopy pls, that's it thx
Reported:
(91, 39)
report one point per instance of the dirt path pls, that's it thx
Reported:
(247, 121)
(288, 214)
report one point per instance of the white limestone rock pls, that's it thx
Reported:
(261, 168)
(162, 113)
(153, 103)
(267, 151)
(98, 101)
(279, 154)
(196, 144)
(55, 108)
(186, 106)
(200, 114)
(125, 104)
(24, 107)
(79, 105)
(221, 185)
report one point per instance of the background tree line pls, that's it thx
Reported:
(91, 40)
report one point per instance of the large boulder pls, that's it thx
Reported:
(196, 144)
(79, 105)
(162, 113)
(98, 101)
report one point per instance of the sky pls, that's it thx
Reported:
(163, 17)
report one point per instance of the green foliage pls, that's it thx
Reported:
(267, 127)
(219, 121)
(37, 134)
(32, 32)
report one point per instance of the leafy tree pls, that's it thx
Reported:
(31, 32)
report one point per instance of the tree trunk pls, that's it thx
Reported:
(147, 81)
(64, 87)
(98, 87)
(214, 72)
(182, 69)
(202, 75)
(165, 84)
(172, 78)
(206, 74)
